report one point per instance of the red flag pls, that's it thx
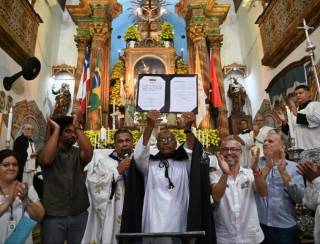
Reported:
(215, 94)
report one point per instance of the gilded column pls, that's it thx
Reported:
(215, 43)
(197, 34)
(100, 35)
(82, 42)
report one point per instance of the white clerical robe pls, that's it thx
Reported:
(260, 137)
(308, 137)
(312, 201)
(245, 149)
(104, 217)
(164, 209)
(30, 165)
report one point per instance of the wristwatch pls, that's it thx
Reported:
(187, 131)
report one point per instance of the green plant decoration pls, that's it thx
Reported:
(166, 32)
(182, 67)
(208, 137)
(132, 34)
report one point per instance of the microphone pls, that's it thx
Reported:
(126, 153)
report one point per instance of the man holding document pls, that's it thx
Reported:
(176, 185)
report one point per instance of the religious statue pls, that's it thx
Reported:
(63, 100)
(238, 96)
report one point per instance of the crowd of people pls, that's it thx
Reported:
(90, 196)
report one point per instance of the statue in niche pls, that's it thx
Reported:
(238, 95)
(63, 100)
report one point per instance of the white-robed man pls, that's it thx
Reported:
(311, 199)
(106, 177)
(306, 119)
(260, 132)
(176, 185)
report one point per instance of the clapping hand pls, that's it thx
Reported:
(280, 115)
(255, 153)
(21, 191)
(309, 170)
(223, 164)
(281, 163)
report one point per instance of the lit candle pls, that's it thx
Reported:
(290, 122)
(103, 133)
(9, 125)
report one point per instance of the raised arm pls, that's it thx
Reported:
(152, 117)
(84, 143)
(185, 122)
(260, 183)
(218, 189)
(49, 150)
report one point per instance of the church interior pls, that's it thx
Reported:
(251, 54)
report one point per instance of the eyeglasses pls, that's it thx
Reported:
(165, 139)
(7, 165)
(231, 149)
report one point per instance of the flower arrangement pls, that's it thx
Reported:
(166, 32)
(208, 137)
(132, 34)
(182, 67)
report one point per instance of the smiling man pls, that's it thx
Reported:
(233, 188)
(285, 189)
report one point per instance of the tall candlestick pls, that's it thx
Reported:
(9, 125)
(114, 115)
(290, 122)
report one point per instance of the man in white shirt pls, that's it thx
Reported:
(233, 188)
(106, 174)
(311, 198)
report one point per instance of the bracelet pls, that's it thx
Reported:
(257, 173)
(187, 131)
(27, 202)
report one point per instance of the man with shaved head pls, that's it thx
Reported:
(176, 181)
